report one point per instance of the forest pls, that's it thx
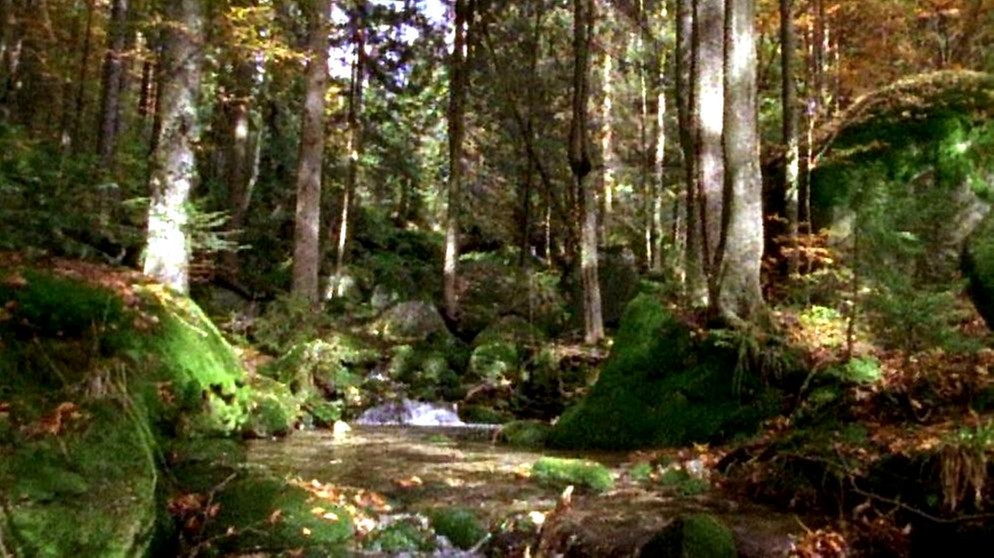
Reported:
(461, 278)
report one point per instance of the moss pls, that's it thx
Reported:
(259, 514)
(578, 472)
(495, 361)
(662, 387)
(399, 537)
(461, 526)
(273, 410)
(692, 536)
(89, 492)
(678, 479)
(525, 433)
(483, 414)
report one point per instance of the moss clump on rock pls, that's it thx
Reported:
(663, 387)
(692, 536)
(461, 526)
(525, 433)
(578, 472)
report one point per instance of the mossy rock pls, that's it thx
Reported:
(692, 536)
(267, 515)
(498, 360)
(525, 433)
(405, 535)
(461, 526)
(410, 321)
(661, 386)
(578, 472)
(510, 329)
(484, 414)
(89, 491)
(273, 409)
(322, 365)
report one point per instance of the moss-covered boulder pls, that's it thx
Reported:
(273, 409)
(524, 433)
(582, 473)
(495, 361)
(692, 536)
(663, 386)
(98, 368)
(410, 321)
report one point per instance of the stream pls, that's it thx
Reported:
(420, 468)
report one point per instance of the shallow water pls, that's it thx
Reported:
(418, 469)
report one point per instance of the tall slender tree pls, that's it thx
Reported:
(738, 296)
(167, 255)
(307, 235)
(580, 164)
(692, 272)
(113, 69)
(788, 98)
(459, 76)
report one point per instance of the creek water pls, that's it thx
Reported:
(422, 468)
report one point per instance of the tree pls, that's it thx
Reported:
(709, 94)
(307, 235)
(173, 173)
(788, 98)
(579, 162)
(739, 297)
(459, 83)
(110, 103)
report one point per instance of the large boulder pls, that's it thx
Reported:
(98, 367)
(663, 386)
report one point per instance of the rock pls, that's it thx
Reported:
(273, 410)
(661, 386)
(407, 321)
(577, 472)
(383, 297)
(410, 413)
(692, 536)
(496, 361)
(343, 287)
(524, 433)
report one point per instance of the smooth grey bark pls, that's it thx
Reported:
(709, 93)
(173, 162)
(307, 233)
(739, 298)
(459, 83)
(112, 81)
(607, 114)
(788, 98)
(580, 164)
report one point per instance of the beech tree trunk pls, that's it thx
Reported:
(167, 255)
(739, 298)
(709, 93)
(788, 98)
(113, 70)
(456, 115)
(579, 161)
(607, 133)
(307, 235)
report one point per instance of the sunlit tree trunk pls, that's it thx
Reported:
(607, 115)
(788, 98)
(659, 155)
(167, 255)
(113, 70)
(709, 93)
(239, 161)
(355, 150)
(307, 235)
(691, 271)
(645, 184)
(458, 86)
(12, 40)
(739, 298)
(579, 160)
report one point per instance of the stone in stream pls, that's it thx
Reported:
(410, 413)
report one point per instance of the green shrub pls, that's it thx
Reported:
(461, 526)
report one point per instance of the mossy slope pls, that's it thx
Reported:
(662, 387)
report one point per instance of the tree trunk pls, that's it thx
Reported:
(709, 92)
(607, 133)
(307, 236)
(579, 161)
(239, 159)
(459, 72)
(12, 42)
(84, 67)
(788, 97)
(659, 155)
(167, 255)
(355, 149)
(739, 296)
(691, 273)
(110, 103)
(645, 184)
